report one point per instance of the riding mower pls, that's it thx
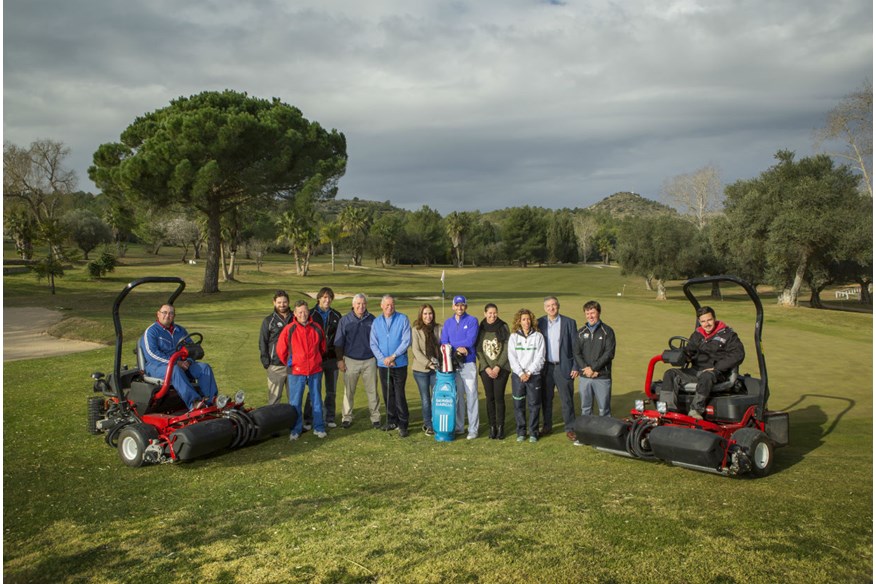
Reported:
(737, 435)
(147, 421)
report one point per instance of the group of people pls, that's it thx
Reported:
(309, 347)
(301, 347)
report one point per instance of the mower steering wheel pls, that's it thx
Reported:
(680, 342)
(190, 337)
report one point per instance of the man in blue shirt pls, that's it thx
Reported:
(355, 359)
(390, 339)
(461, 332)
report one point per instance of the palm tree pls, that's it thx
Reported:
(458, 226)
(331, 233)
(355, 221)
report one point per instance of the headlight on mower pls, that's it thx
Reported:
(222, 401)
(661, 407)
(238, 397)
(640, 405)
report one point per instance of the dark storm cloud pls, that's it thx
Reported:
(459, 105)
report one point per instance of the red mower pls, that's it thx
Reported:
(145, 419)
(738, 434)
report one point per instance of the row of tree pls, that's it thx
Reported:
(222, 173)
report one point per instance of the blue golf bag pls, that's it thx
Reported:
(444, 397)
(444, 406)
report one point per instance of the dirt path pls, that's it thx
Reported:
(25, 337)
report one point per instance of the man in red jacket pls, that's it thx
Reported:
(300, 346)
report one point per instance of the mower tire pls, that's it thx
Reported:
(95, 413)
(759, 449)
(133, 440)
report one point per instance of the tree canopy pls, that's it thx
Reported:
(215, 151)
(783, 221)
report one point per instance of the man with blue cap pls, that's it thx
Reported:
(461, 332)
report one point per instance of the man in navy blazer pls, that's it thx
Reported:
(560, 333)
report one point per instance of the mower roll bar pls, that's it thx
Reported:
(117, 323)
(758, 324)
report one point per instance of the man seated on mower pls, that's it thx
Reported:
(160, 342)
(713, 351)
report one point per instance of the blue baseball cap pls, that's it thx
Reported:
(459, 300)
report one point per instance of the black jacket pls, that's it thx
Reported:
(722, 351)
(596, 349)
(271, 327)
(330, 328)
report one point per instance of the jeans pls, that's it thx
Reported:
(296, 393)
(392, 380)
(330, 381)
(425, 382)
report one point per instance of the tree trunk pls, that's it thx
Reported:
(815, 298)
(211, 269)
(716, 290)
(648, 285)
(231, 261)
(790, 295)
(333, 256)
(866, 297)
(661, 289)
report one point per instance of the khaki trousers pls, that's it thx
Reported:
(367, 370)
(276, 382)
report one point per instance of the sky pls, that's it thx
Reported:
(458, 105)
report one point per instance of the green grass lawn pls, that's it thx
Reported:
(366, 506)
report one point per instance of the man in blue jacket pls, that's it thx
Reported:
(159, 342)
(560, 334)
(461, 332)
(390, 339)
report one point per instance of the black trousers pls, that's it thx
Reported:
(705, 380)
(494, 389)
(392, 382)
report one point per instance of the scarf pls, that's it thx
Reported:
(498, 328)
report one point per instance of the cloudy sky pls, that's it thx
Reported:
(460, 104)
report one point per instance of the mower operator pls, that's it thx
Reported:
(159, 343)
(713, 350)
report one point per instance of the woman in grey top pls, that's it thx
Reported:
(425, 345)
(492, 348)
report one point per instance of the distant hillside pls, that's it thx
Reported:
(621, 205)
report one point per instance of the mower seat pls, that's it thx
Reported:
(141, 365)
(142, 392)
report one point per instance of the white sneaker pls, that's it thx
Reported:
(332, 425)
(319, 434)
(307, 426)
(293, 437)
(577, 443)
(471, 436)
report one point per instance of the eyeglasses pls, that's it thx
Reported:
(166, 313)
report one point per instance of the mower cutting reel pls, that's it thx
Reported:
(738, 435)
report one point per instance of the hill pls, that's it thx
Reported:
(622, 205)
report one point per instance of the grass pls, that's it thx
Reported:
(365, 506)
